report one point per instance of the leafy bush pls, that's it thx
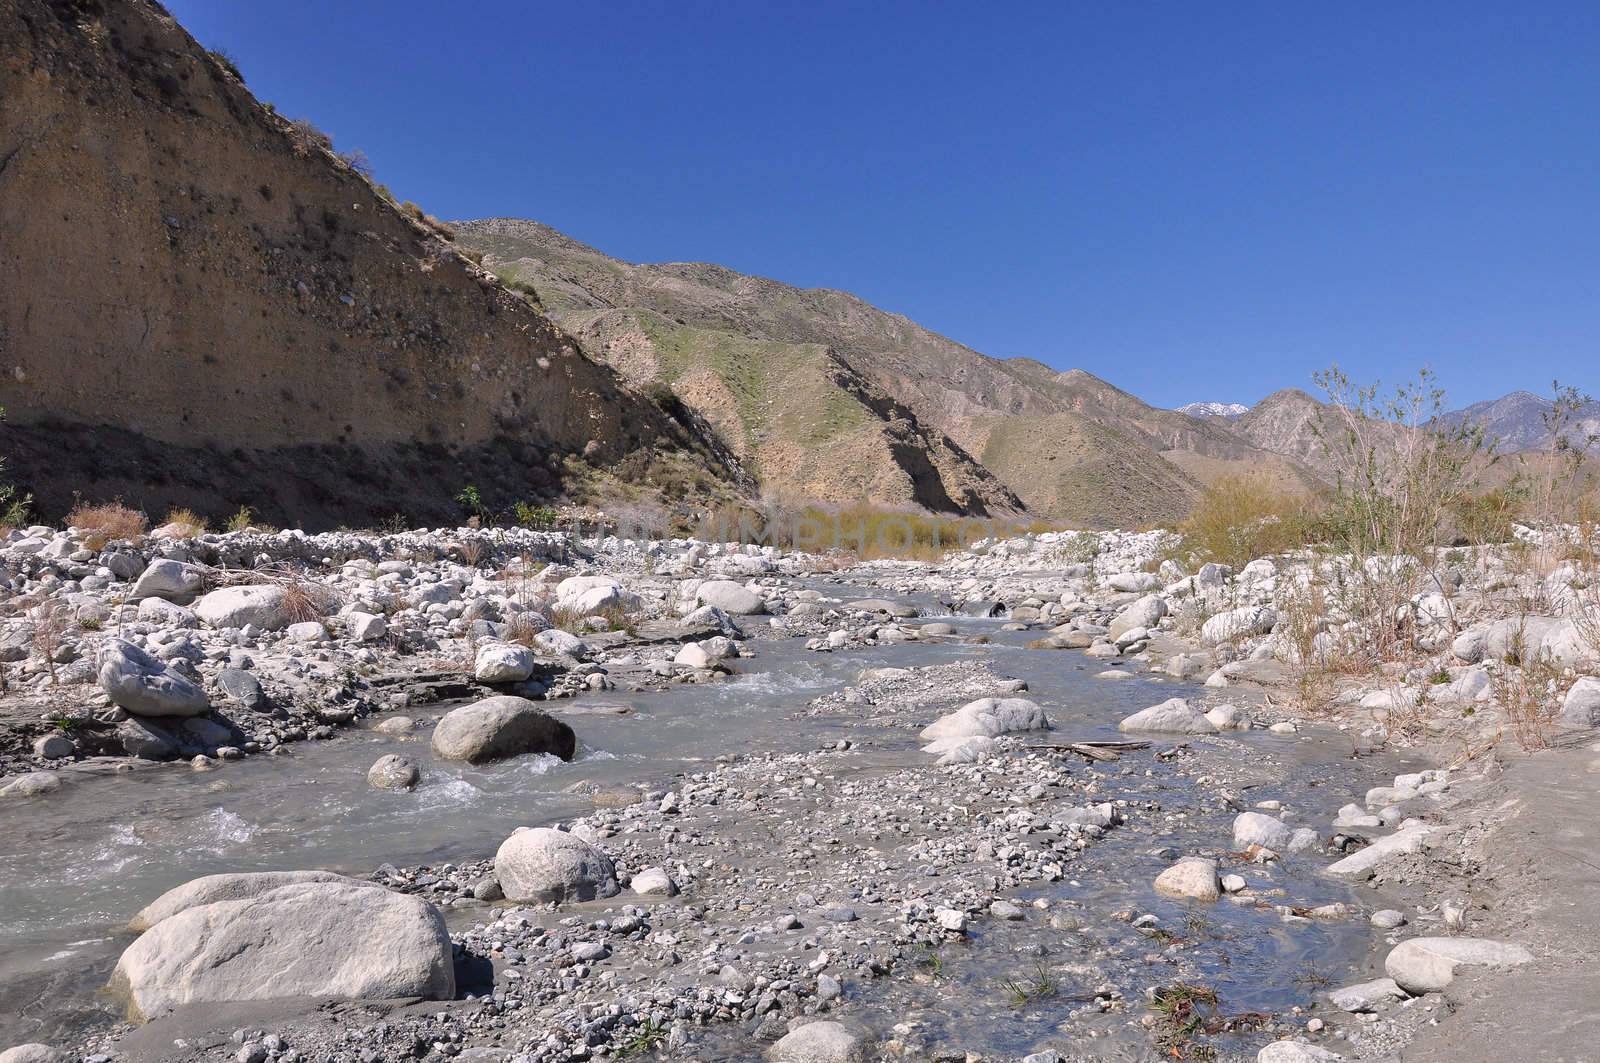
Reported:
(534, 516)
(1241, 518)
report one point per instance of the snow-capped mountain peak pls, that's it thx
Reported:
(1214, 409)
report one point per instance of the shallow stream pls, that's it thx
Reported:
(76, 865)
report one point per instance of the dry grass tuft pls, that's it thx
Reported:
(185, 523)
(105, 523)
(522, 627)
(304, 601)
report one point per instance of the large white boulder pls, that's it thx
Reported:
(1133, 582)
(561, 643)
(1363, 863)
(145, 686)
(591, 594)
(500, 727)
(35, 1052)
(960, 750)
(1146, 612)
(226, 887)
(330, 939)
(730, 597)
(1296, 1052)
(540, 864)
(1193, 878)
(1254, 828)
(1238, 624)
(819, 1042)
(1427, 965)
(1175, 716)
(258, 605)
(987, 717)
(170, 580)
(499, 662)
(1581, 708)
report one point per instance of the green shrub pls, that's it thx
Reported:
(1241, 518)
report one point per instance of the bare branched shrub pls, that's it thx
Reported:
(50, 623)
(306, 138)
(1401, 470)
(1529, 687)
(109, 522)
(357, 161)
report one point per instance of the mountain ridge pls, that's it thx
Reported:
(1086, 438)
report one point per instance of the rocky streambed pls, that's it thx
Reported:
(853, 832)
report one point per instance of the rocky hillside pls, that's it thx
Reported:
(1068, 445)
(1520, 421)
(201, 304)
(791, 398)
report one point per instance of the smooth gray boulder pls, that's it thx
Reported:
(1269, 832)
(227, 887)
(1146, 612)
(1581, 707)
(30, 784)
(54, 746)
(501, 662)
(1193, 878)
(1133, 582)
(561, 643)
(244, 688)
(1427, 965)
(540, 864)
(172, 581)
(1238, 623)
(258, 605)
(342, 940)
(35, 1053)
(1367, 996)
(986, 718)
(654, 882)
(730, 597)
(500, 727)
(1362, 863)
(146, 739)
(145, 686)
(819, 1042)
(1173, 716)
(394, 772)
(1296, 1052)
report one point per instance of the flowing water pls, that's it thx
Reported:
(76, 865)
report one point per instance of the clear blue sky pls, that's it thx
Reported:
(1195, 201)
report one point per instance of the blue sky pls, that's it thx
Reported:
(1192, 201)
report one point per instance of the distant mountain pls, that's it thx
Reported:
(828, 398)
(1518, 421)
(1214, 409)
